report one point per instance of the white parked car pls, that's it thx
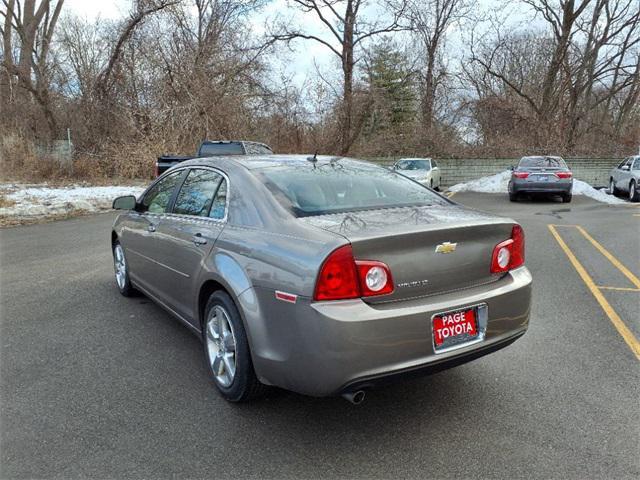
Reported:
(423, 170)
(625, 178)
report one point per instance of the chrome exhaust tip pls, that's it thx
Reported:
(356, 397)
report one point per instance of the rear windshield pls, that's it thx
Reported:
(209, 149)
(542, 162)
(347, 186)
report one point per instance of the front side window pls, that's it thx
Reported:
(636, 166)
(158, 196)
(622, 163)
(197, 193)
(434, 164)
(344, 187)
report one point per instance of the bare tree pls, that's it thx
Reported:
(430, 20)
(33, 29)
(346, 29)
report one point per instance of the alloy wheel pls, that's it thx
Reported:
(120, 266)
(221, 346)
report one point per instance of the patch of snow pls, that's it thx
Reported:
(498, 183)
(583, 188)
(42, 200)
(492, 184)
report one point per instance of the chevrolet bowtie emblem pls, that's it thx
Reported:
(446, 247)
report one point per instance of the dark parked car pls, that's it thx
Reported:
(214, 148)
(321, 275)
(541, 175)
(625, 178)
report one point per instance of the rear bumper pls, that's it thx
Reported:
(558, 187)
(326, 348)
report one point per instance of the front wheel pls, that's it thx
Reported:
(634, 195)
(121, 269)
(227, 350)
(612, 187)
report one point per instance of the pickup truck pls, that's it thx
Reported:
(212, 148)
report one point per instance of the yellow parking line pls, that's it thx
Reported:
(619, 289)
(625, 271)
(615, 319)
(450, 194)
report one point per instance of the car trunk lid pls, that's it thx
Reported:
(429, 250)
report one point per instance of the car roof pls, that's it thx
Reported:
(255, 162)
(543, 156)
(415, 158)
(218, 142)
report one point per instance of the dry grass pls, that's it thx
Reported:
(117, 163)
(6, 202)
(15, 221)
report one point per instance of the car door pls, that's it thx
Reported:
(186, 236)
(139, 234)
(619, 174)
(435, 169)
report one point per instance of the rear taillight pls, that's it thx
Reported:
(521, 174)
(509, 254)
(564, 174)
(375, 278)
(342, 277)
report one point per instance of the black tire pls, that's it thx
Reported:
(124, 283)
(612, 188)
(513, 197)
(634, 195)
(566, 198)
(245, 384)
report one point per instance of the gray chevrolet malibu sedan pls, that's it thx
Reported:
(321, 275)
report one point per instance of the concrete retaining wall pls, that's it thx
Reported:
(594, 171)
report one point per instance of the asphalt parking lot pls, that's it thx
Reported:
(96, 385)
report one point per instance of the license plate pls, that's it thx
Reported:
(542, 178)
(453, 328)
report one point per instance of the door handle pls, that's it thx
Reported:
(198, 239)
(151, 228)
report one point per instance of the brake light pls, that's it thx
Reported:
(338, 279)
(342, 277)
(509, 254)
(521, 174)
(564, 174)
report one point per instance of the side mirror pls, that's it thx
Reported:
(512, 168)
(128, 202)
(625, 168)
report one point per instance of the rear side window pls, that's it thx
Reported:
(219, 206)
(344, 187)
(213, 149)
(542, 162)
(257, 149)
(197, 193)
(157, 198)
